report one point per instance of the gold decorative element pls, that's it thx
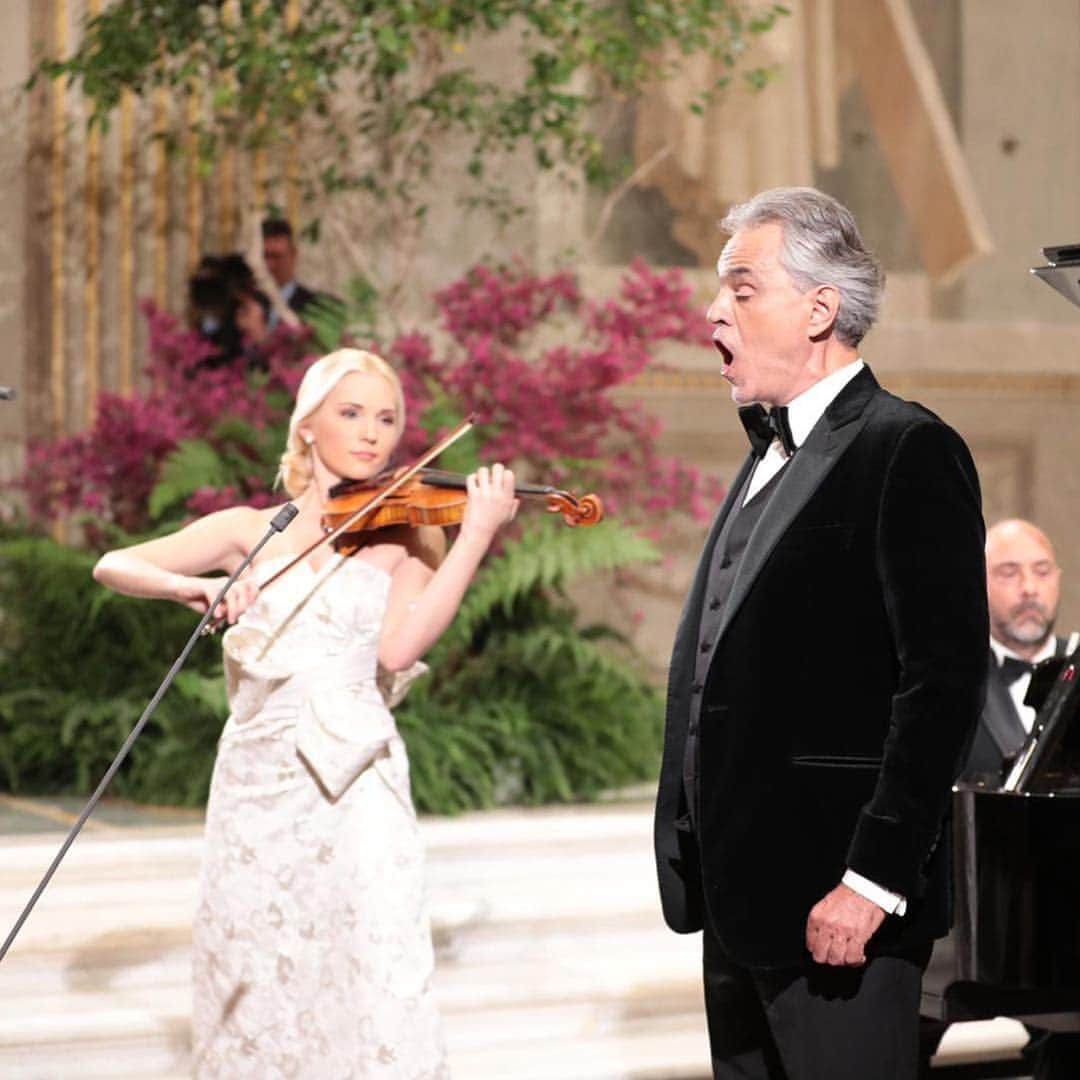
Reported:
(195, 191)
(292, 154)
(227, 175)
(91, 287)
(260, 175)
(292, 178)
(161, 198)
(126, 313)
(227, 189)
(57, 365)
(259, 167)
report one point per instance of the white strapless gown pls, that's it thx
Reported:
(312, 947)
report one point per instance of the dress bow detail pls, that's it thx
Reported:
(338, 738)
(342, 723)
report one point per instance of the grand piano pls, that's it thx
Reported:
(1015, 947)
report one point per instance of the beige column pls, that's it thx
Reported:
(1021, 134)
(14, 228)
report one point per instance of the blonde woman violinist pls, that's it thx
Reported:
(312, 948)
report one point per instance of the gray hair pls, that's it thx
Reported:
(822, 246)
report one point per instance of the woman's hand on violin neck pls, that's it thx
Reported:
(491, 503)
(198, 593)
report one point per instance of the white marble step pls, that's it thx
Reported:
(477, 881)
(549, 943)
(665, 1049)
(552, 959)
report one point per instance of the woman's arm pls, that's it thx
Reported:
(169, 567)
(424, 602)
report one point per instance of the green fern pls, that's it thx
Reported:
(546, 556)
(522, 703)
(192, 465)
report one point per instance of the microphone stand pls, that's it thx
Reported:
(281, 519)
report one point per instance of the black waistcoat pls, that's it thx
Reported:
(730, 548)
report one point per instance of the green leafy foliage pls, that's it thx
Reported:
(524, 704)
(192, 465)
(521, 704)
(391, 91)
(543, 559)
(78, 665)
(234, 457)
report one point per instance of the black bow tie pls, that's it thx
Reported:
(1012, 668)
(763, 425)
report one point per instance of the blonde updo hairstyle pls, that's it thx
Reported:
(296, 470)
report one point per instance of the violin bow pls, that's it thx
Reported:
(375, 501)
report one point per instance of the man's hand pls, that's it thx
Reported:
(840, 925)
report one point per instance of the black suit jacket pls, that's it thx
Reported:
(301, 297)
(843, 687)
(1000, 733)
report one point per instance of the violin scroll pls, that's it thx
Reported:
(588, 510)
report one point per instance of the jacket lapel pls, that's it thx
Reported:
(802, 476)
(999, 713)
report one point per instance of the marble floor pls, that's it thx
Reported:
(552, 960)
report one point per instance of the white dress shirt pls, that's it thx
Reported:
(804, 412)
(1019, 688)
(286, 291)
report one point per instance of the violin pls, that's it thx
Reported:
(419, 496)
(431, 497)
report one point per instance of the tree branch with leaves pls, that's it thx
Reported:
(390, 97)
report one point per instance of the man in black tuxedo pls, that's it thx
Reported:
(280, 256)
(827, 672)
(1023, 583)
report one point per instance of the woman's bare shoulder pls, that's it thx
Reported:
(238, 528)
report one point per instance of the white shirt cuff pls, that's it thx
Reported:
(889, 902)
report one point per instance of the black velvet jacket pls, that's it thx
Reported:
(843, 689)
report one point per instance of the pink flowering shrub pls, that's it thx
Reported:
(538, 364)
(105, 475)
(536, 361)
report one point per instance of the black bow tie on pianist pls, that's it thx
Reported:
(763, 425)
(1013, 668)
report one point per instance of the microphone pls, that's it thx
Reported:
(282, 519)
(7, 393)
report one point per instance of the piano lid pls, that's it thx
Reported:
(1049, 760)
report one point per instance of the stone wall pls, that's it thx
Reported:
(14, 56)
(995, 351)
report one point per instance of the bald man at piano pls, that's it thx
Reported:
(1023, 584)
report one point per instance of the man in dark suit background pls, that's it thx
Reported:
(281, 256)
(827, 672)
(1023, 583)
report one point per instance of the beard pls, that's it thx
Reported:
(1027, 625)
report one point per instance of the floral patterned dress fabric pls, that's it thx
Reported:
(312, 947)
